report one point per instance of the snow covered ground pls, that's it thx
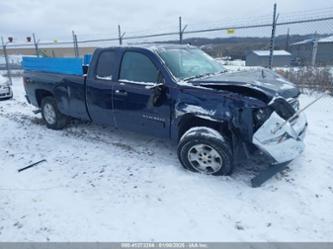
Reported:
(102, 184)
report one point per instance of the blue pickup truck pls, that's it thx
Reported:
(176, 92)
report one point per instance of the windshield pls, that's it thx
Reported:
(187, 63)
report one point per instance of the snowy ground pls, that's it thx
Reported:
(102, 184)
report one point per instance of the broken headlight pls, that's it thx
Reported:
(283, 108)
(261, 115)
(294, 102)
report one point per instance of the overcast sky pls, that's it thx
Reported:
(55, 19)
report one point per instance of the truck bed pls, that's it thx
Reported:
(61, 77)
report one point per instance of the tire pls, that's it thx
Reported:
(53, 118)
(205, 150)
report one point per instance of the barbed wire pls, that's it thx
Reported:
(264, 21)
(196, 31)
(242, 21)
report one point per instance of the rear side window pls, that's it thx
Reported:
(138, 67)
(105, 65)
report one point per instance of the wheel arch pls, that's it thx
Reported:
(189, 121)
(40, 94)
(205, 137)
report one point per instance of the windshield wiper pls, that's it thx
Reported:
(203, 75)
(197, 76)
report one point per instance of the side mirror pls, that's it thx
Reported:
(157, 96)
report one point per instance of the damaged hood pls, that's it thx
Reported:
(264, 80)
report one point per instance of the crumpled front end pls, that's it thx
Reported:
(280, 140)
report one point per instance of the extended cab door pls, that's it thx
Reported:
(99, 87)
(140, 98)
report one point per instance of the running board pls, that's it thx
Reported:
(268, 173)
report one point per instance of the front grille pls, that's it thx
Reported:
(283, 108)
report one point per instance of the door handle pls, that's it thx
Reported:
(121, 92)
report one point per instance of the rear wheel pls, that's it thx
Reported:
(51, 115)
(204, 150)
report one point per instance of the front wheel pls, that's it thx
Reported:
(204, 150)
(53, 118)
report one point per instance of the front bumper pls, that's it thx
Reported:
(285, 144)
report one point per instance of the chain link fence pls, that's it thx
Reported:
(298, 45)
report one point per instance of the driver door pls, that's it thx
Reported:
(134, 96)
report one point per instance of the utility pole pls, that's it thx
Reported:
(74, 44)
(76, 47)
(120, 35)
(272, 44)
(36, 44)
(4, 47)
(181, 30)
(287, 39)
(314, 50)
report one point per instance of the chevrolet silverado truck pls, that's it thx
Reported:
(176, 92)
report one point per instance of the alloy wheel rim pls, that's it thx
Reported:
(205, 159)
(49, 113)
